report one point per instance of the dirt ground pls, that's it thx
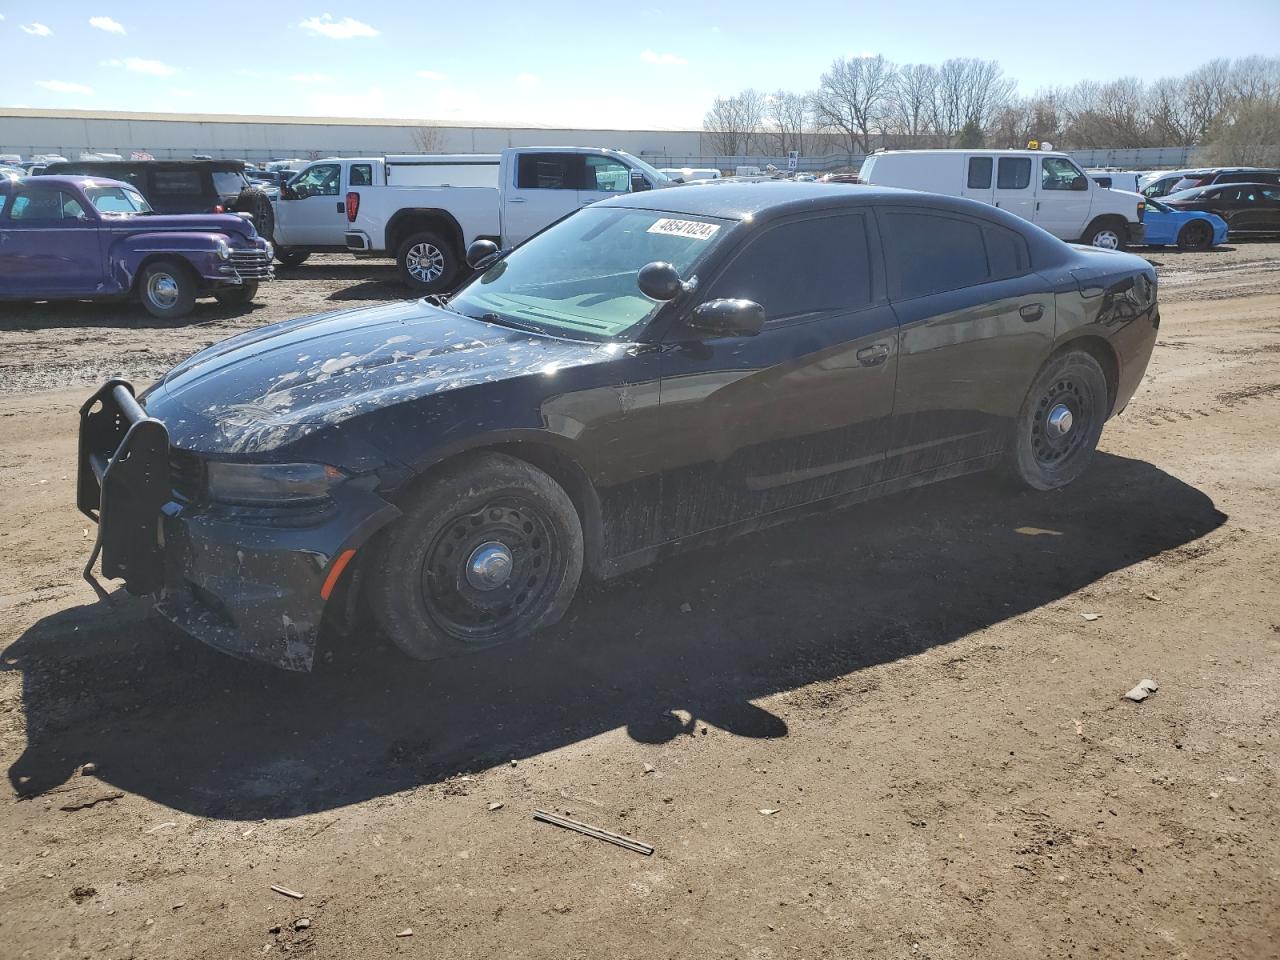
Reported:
(890, 732)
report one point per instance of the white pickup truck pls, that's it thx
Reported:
(425, 211)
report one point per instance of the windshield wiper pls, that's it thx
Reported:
(500, 320)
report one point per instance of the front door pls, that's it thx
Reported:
(1063, 204)
(545, 188)
(314, 214)
(1013, 187)
(605, 177)
(974, 329)
(49, 245)
(798, 413)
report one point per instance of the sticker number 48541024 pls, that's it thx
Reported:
(693, 229)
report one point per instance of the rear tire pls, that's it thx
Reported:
(427, 263)
(1196, 235)
(167, 289)
(1060, 422)
(489, 551)
(1109, 234)
(235, 296)
(290, 257)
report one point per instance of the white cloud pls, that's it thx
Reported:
(430, 75)
(344, 29)
(311, 78)
(136, 64)
(37, 30)
(663, 59)
(62, 86)
(107, 24)
(526, 79)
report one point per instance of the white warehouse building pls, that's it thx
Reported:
(32, 132)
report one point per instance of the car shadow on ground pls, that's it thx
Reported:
(661, 653)
(55, 314)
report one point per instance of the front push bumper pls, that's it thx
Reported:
(249, 582)
(1135, 234)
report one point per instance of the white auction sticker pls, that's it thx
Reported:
(693, 229)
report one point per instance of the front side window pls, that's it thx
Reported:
(928, 253)
(803, 268)
(1013, 173)
(979, 173)
(577, 279)
(608, 175)
(44, 205)
(549, 171)
(1059, 173)
(318, 181)
(117, 200)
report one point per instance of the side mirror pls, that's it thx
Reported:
(287, 192)
(481, 253)
(659, 281)
(1080, 183)
(638, 182)
(740, 318)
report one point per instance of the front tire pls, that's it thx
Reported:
(1107, 233)
(237, 296)
(489, 551)
(427, 263)
(1060, 422)
(1196, 235)
(290, 257)
(167, 289)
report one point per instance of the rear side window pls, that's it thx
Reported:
(549, 171)
(1013, 173)
(361, 175)
(175, 183)
(979, 173)
(803, 268)
(929, 253)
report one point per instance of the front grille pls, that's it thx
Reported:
(252, 264)
(186, 474)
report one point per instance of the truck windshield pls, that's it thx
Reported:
(117, 200)
(577, 279)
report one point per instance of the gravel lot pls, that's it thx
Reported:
(910, 685)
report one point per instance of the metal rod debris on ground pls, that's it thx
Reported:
(636, 846)
(286, 891)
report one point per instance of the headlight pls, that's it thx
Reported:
(270, 250)
(224, 251)
(264, 484)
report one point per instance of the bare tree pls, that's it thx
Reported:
(732, 125)
(853, 97)
(911, 99)
(1170, 114)
(427, 139)
(787, 122)
(1208, 93)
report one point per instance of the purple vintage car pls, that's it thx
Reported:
(82, 238)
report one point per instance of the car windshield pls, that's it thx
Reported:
(1186, 194)
(227, 183)
(117, 200)
(1154, 204)
(577, 279)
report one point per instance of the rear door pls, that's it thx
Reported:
(979, 179)
(48, 245)
(975, 325)
(313, 214)
(542, 189)
(1013, 187)
(1062, 208)
(798, 413)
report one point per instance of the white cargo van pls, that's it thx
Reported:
(1046, 188)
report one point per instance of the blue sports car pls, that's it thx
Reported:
(1189, 229)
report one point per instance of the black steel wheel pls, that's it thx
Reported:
(238, 295)
(1196, 235)
(489, 551)
(1061, 421)
(291, 257)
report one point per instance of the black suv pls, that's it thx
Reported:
(1210, 176)
(183, 186)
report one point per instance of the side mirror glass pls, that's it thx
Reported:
(659, 281)
(741, 318)
(638, 182)
(481, 253)
(287, 192)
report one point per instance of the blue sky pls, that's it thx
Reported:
(581, 63)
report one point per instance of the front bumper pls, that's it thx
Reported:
(1136, 234)
(249, 582)
(246, 264)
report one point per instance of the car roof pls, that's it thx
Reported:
(67, 180)
(229, 166)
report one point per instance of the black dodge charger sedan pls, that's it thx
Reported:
(657, 371)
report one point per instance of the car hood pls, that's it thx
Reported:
(263, 389)
(227, 223)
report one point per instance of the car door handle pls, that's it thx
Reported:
(515, 199)
(1031, 312)
(874, 355)
(341, 208)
